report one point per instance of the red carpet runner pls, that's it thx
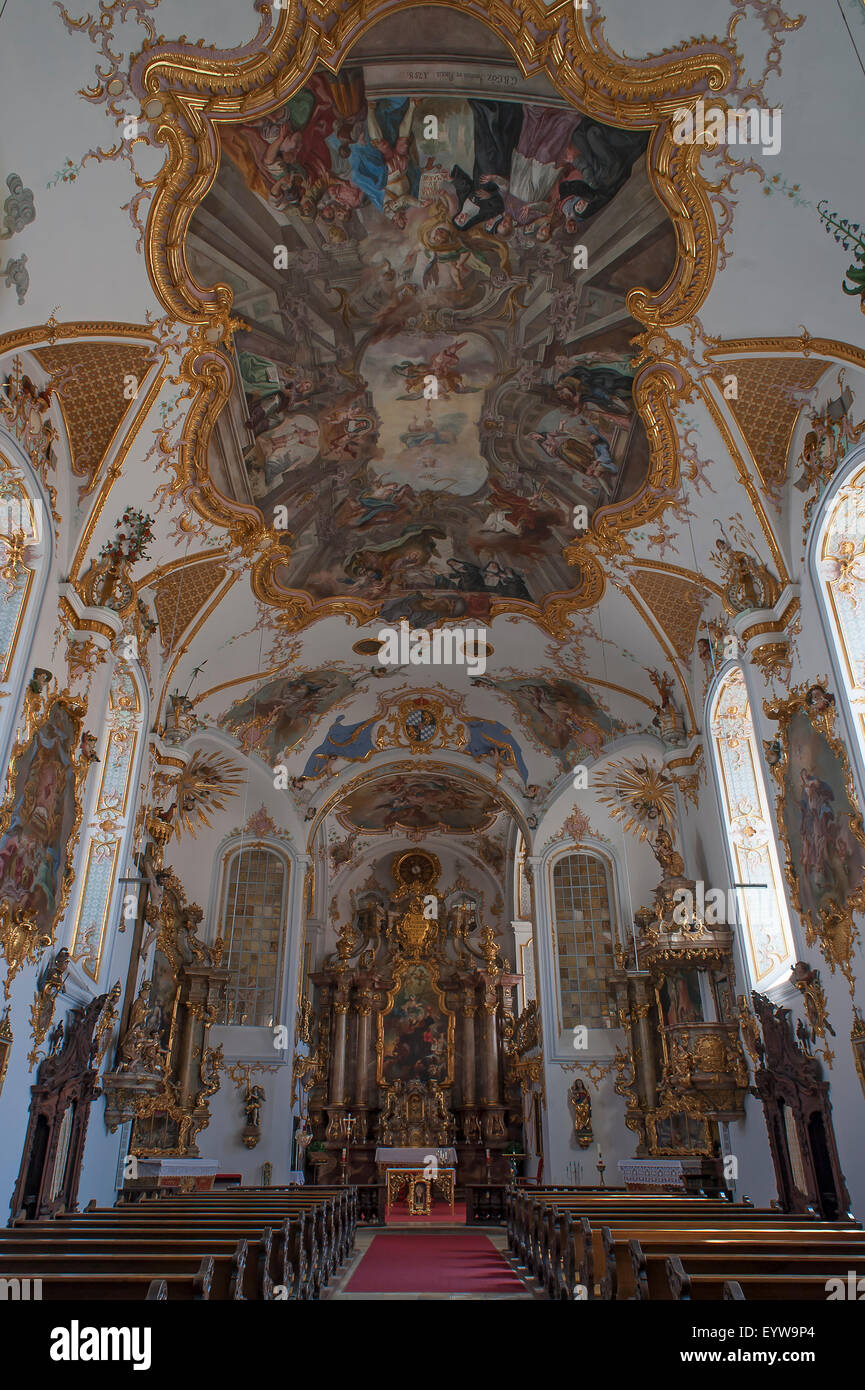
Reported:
(435, 1262)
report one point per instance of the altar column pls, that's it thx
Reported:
(363, 1007)
(493, 1119)
(337, 1072)
(469, 1062)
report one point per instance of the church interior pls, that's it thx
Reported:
(432, 654)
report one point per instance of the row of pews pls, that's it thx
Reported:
(624, 1245)
(243, 1244)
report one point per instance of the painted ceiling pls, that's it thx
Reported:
(427, 384)
(282, 260)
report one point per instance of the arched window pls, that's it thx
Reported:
(583, 939)
(251, 924)
(109, 822)
(25, 556)
(840, 555)
(751, 850)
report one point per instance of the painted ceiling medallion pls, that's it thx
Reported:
(418, 801)
(415, 234)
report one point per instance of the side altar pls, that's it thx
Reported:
(414, 1010)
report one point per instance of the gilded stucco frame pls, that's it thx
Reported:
(834, 929)
(21, 941)
(188, 94)
(431, 970)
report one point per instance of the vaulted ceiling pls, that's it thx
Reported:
(435, 323)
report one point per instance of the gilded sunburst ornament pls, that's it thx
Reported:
(639, 794)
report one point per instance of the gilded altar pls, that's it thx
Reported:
(413, 1012)
(417, 1186)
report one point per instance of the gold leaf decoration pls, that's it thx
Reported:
(639, 794)
(203, 787)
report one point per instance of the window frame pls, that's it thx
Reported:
(231, 854)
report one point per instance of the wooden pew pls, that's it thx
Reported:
(71, 1287)
(232, 1276)
(543, 1229)
(332, 1213)
(325, 1240)
(793, 1288)
(526, 1212)
(644, 1258)
(268, 1256)
(324, 1224)
(341, 1203)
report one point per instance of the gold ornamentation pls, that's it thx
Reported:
(203, 786)
(43, 1006)
(809, 985)
(179, 596)
(88, 379)
(669, 858)
(595, 1071)
(105, 1026)
(766, 408)
(5, 1045)
(677, 603)
(527, 1029)
(750, 1031)
(422, 723)
(25, 406)
(21, 940)
(857, 1042)
(252, 1103)
(833, 926)
(580, 1099)
(638, 794)
(199, 96)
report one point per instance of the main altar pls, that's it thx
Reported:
(410, 1069)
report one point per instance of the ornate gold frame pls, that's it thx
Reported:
(455, 770)
(834, 931)
(20, 940)
(401, 966)
(189, 94)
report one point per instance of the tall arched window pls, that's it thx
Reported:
(583, 932)
(251, 923)
(109, 825)
(25, 558)
(840, 555)
(751, 849)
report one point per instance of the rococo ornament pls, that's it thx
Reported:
(190, 100)
(819, 822)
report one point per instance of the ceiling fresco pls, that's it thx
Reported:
(390, 205)
(428, 383)
(418, 801)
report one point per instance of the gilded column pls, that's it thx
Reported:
(469, 1062)
(337, 1073)
(363, 1006)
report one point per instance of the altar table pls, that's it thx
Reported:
(395, 1177)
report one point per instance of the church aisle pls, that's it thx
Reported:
(425, 1263)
